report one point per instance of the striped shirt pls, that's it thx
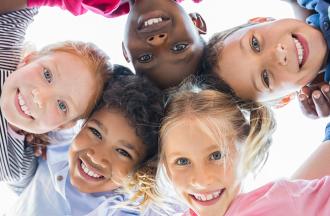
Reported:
(17, 161)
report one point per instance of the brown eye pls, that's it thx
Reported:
(265, 78)
(177, 48)
(145, 58)
(255, 45)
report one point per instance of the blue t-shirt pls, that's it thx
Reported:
(321, 21)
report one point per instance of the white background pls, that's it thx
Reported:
(296, 136)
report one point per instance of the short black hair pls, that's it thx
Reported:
(141, 102)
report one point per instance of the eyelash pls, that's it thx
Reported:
(124, 153)
(48, 76)
(218, 154)
(177, 162)
(179, 47)
(255, 45)
(95, 132)
(145, 58)
(265, 78)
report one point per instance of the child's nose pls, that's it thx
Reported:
(281, 54)
(156, 40)
(37, 98)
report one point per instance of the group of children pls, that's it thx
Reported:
(110, 134)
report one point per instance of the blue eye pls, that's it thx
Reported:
(217, 155)
(62, 106)
(265, 78)
(123, 153)
(95, 132)
(179, 47)
(47, 75)
(255, 44)
(182, 161)
(145, 58)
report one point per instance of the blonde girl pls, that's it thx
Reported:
(210, 141)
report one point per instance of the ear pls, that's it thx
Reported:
(199, 22)
(125, 52)
(261, 19)
(27, 59)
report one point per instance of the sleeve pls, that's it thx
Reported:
(106, 8)
(73, 6)
(311, 197)
(327, 132)
(13, 27)
(17, 162)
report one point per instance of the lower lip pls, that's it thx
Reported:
(209, 202)
(85, 176)
(18, 107)
(304, 43)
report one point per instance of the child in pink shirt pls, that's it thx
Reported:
(210, 140)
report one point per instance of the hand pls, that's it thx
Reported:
(39, 148)
(314, 100)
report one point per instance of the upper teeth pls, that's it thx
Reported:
(207, 197)
(300, 50)
(88, 171)
(24, 107)
(152, 21)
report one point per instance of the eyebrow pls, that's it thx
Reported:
(99, 124)
(130, 146)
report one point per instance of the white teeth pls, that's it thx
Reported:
(23, 105)
(300, 50)
(88, 171)
(207, 197)
(152, 21)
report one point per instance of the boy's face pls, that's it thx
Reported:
(162, 42)
(201, 171)
(104, 152)
(269, 60)
(47, 92)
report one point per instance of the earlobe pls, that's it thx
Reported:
(27, 59)
(261, 20)
(125, 52)
(199, 22)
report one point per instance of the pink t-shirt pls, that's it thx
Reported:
(107, 8)
(284, 198)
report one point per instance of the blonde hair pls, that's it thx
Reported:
(246, 123)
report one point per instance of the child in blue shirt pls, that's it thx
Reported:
(117, 141)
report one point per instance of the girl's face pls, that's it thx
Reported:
(104, 152)
(47, 92)
(162, 42)
(201, 171)
(273, 59)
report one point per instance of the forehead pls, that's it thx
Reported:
(73, 80)
(200, 133)
(117, 127)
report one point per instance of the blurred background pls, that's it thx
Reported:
(296, 136)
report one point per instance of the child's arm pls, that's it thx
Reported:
(17, 162)
(318, 163)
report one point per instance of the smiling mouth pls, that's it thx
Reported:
(88, 172)
(301, 49)
(21, 105)
(207, 199)
(153, 21)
